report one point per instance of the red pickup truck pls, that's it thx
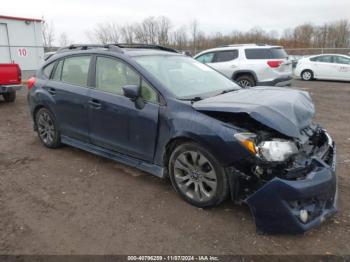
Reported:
(10, 81)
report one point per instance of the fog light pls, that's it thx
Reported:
(303, 215)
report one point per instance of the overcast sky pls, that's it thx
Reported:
(76, 17)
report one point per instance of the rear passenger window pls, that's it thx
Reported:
(224, 56)
(48, 69)
(58, 71)
(265, 53)
(323, 59)
(75, 70)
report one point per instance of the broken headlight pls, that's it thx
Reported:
(277, 150)
(274, 150)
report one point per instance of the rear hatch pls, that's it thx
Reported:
(10, 74)
(275, 58)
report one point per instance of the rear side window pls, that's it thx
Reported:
(342, 60)
(322, 59)
(48, 69)
(265, 53)
(206, 58)
(75, 70)
(224, 56)
(58, 71)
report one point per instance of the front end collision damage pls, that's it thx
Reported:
(288, 196)
(292, 197)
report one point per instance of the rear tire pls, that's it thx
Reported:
(307, 75)
(246, 81)
(9, 97)
(47, 128)
(197, 176)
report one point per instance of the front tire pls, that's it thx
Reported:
(307, 75)
(197, 176)
(47, 128)
(9, 97)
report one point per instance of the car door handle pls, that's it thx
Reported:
(52, 91)
(95, 103)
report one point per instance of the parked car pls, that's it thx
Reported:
(325, 66)
(170, 115)
(250, 64)
(10, 81)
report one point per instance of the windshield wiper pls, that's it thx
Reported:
(192, 99)
(226, 91)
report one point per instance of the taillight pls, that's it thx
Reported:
(274, 63)
(31, 83)
(19, 74)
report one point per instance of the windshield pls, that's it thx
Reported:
(185, 77)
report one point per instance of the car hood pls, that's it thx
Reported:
(282, 109)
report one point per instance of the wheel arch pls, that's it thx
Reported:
(240, 73)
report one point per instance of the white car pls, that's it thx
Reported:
(250, 64)
(325, 66)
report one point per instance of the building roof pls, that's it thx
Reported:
(20, 18)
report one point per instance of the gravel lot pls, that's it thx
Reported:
(68, 201)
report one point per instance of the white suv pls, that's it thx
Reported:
(250, 64)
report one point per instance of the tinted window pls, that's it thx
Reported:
(58, 72)
(323, 59)
(48, 69)
(265, 53)
(206, 58)
(342, 60)
(224, 56)
(75, 70)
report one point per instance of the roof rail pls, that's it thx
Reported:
(233, 45)
(146, 46)
(89, 46)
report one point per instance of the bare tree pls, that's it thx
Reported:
(63, 40)
(106, 33)
(179, 38)
(128, 33)
(48, 34)
(194, 28)
(164, 26)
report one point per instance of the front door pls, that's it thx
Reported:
(115, 122)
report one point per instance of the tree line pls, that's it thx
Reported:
(160, 30)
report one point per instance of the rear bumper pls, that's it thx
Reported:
(276, 206)
(9, 88)
(285, 81)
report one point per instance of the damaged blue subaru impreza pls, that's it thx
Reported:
(167, 114)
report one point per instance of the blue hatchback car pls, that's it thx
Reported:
(169, 115)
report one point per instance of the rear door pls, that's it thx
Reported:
(323, 67)
(225, 62)
(342, 67)
(68, 88)
(115, 122)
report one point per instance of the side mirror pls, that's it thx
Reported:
(132, 91)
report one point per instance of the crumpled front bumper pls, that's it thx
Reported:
(276, 206)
